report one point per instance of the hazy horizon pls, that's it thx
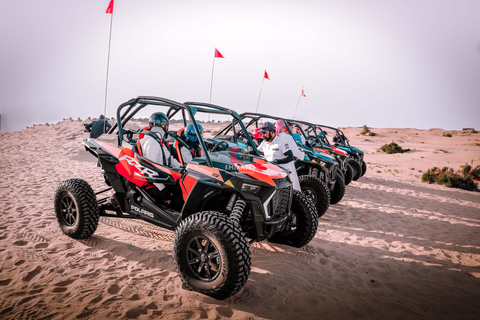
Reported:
(395, 64)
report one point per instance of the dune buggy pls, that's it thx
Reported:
(317, 172)
(307, 138)
(219, 203)
(356, 155)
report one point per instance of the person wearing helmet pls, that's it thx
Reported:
(154, 145)
(190, 137)
(276, 150)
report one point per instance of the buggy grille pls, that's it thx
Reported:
(280, 201)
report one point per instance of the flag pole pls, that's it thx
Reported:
(258, 102)
(297, 104)
(108, 66)
(211, 83)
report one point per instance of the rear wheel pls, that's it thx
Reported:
(348, 174)
(338, 189)
(316, 191)
(211, 255)
(357, 169)
(364, 168)
(302, 224)
(76, 208)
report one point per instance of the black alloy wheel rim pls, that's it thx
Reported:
(69, 211)
(203, 258)
(310, 194)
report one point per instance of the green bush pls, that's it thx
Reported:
(447, 134)
(393, 148)
(365, 130)
(465, 179)
(371, 134)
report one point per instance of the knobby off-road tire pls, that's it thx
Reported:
(211, 255)
(348, 174)
(302, 225)
(357, 169)
(338, 189)
(76, 208)
(316, 191)
(364, 168)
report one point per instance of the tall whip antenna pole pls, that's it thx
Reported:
(108, 66)
(297, 104)
(258, 102)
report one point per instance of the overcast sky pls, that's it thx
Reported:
(403, 63)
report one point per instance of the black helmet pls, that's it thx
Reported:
(159, 119)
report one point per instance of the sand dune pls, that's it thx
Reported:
(392, 248)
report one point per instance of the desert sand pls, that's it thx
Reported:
(393, 248)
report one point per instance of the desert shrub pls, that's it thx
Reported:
(473, 131)
(464, 179)
(393, 148)
(447, 134)
(365, 130)
(371, 134)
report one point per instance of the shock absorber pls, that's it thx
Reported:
(237, 211)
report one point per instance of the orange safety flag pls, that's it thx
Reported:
(265, 76)
(110, 7)
(217, 53)
(303, 93)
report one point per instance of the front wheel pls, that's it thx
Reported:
(316, 191)
(302, 223)
(348, 174)
(357, 169)
(364, 168)
(76, 208)
(338, 189)
(211, 255)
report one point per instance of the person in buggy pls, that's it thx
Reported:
(192, 148)
(152, 142)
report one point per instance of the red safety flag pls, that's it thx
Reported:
(110, 7)
(265, 76)
(217, 53)
(303, 93)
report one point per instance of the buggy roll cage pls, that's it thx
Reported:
(203, 106)
(255, 117)
(340, 132)
(133, 106)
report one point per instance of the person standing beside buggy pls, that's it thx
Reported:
(97, 128)
(276, 150)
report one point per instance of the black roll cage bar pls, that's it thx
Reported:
(236, 119)
(136, 104)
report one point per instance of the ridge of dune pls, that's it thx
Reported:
(393, 247)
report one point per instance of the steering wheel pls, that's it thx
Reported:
(218, 144)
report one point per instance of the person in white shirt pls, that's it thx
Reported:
(281, 130)
(154, 146)
(276, 150)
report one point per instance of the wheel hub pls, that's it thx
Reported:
(203, 258)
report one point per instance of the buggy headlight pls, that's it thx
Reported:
(250, 188)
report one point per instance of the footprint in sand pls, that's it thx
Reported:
(42, 245)
(5, 282)
(64, 283)
(59, 289)
(19, 262)
(114, 289)
(30, 275)
(20, 243)
(224, 311)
